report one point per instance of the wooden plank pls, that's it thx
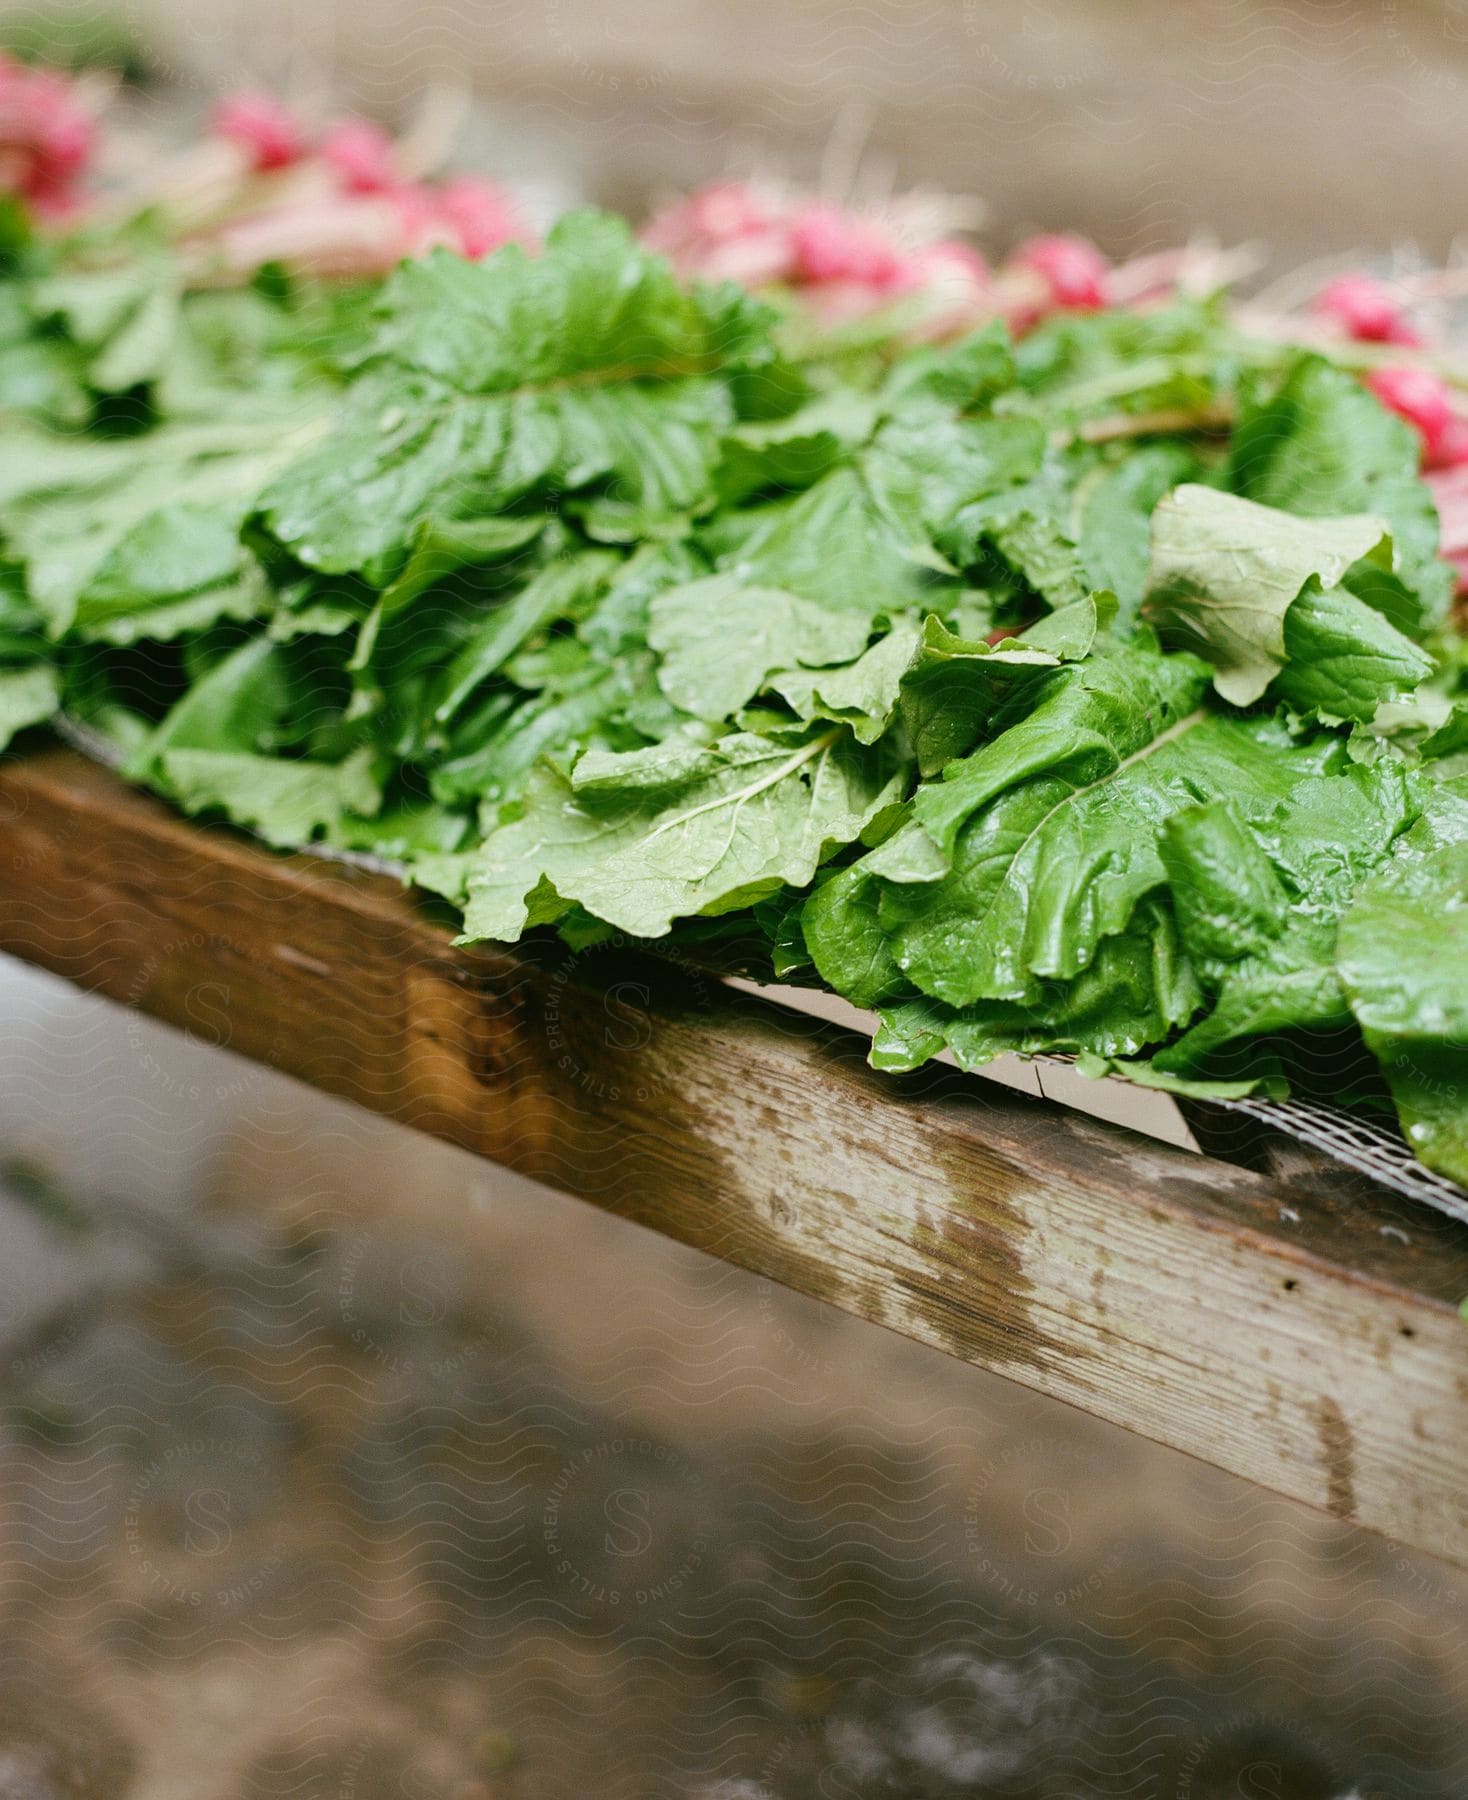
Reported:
(1296, 1326)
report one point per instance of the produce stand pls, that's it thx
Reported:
(1289, 1322)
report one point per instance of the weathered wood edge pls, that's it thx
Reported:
(1297, 1327)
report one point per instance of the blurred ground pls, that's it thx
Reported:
(340, 1466)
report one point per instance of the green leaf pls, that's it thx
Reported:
(125, 319)
(1267, 1078)
(836, 543)
(178, 553)
(164, 621)
(1077, 366)
(1070, 633)
(1040, 844)
(439, 549)
(285, 802)
(1402, 955)
(238, 705)
(680, 829)
(559, 589)
(315, 618)
(793, 452)
(1138, 988)
(593, 304)
(1227, 894)
(21, 626)
(494, 747)
(1225, 572)
(1027, 527)
(586, 367)
(968, 374)
(1449, 739)
(234, 348)
(1113, 510)
(406, 833)
(863, 694)
(807, 589)
(1344, 660)
(956, 685)
(40, 376)
(1322, 445)
(720, 638)
(112, 528)
(923, 469)
(1259, 899)
(28, 696)
(617, 626)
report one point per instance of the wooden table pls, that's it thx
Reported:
(1291, 1323)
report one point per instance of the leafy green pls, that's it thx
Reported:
(1259, 901)
(1225, 572)
(41, 375)
(1079, 366)
(954, 685)
(790, 453)
(113, 538)
(1112, 509)
(585, 368)
(1049, 829)
(862, 694)
(712, 675)
(1026, 527)
(1320, 446)
(1402, 956)
(648, 836)
(1000, 687)
(547, 596)
(285, 802)
(239, 703)
(1138, 987)
(124, 320)
(1344, 660)
(859, 548)
(28, 696)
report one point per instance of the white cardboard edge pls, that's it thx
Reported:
(1111, 1097)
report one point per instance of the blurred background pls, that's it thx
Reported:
(1314, 125)
(338, 1465)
